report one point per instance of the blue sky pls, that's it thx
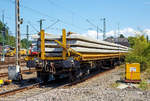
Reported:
(72, 14)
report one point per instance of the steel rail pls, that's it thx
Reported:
(6, 66)
(11, 62)
(3, 74)
(23, 71)
(21, 89)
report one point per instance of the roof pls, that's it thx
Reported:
(122, 41)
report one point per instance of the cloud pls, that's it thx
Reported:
(147, 31)
(126, 32)
(93, 34)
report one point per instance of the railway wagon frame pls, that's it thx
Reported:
(71, 64)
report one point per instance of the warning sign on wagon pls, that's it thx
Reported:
(132, 69)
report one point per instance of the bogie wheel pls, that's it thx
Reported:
(78, 73)
(72, 76)
(57, 78)
(38, 75)
(87, 72)
(44, 76)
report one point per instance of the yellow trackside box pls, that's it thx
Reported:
(133, 72)
(1, 82)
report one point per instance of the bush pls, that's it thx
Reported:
(140, 52)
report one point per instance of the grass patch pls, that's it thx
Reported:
(115, 85)
(122, 75)
(122, 66)
(145, 76)
(144, 85)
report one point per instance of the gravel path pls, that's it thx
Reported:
(95, 89)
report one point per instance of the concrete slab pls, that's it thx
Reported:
(81, 44)
(83, 38)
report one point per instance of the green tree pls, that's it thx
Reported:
(147, 38)
(121, 36)
(8, 39)
(111, 37)
(12, 41)
(140, 52)
(25, 43)
(132, 41)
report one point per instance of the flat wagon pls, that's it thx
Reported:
(72, 55)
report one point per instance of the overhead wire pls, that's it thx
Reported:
(94, 25)
(61, 21)
(32, 26)
(12, 19)
(52, 24)
(46, 15)
(68, 10)
(54, 4)
(72, 12)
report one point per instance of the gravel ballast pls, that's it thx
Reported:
(98, 88)
(95, 89)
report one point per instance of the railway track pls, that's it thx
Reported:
(21, 89)
(66, 85)
(23, 71)
(10, 62)
(3, 74)
(6, 65)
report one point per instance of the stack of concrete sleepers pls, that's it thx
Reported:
(81, 44)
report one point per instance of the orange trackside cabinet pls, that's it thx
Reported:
(133, 72)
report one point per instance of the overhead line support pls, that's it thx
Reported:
(18, 22)
(104, 28)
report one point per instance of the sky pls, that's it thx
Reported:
(129, 16)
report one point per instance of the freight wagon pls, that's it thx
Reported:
(72, 55)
